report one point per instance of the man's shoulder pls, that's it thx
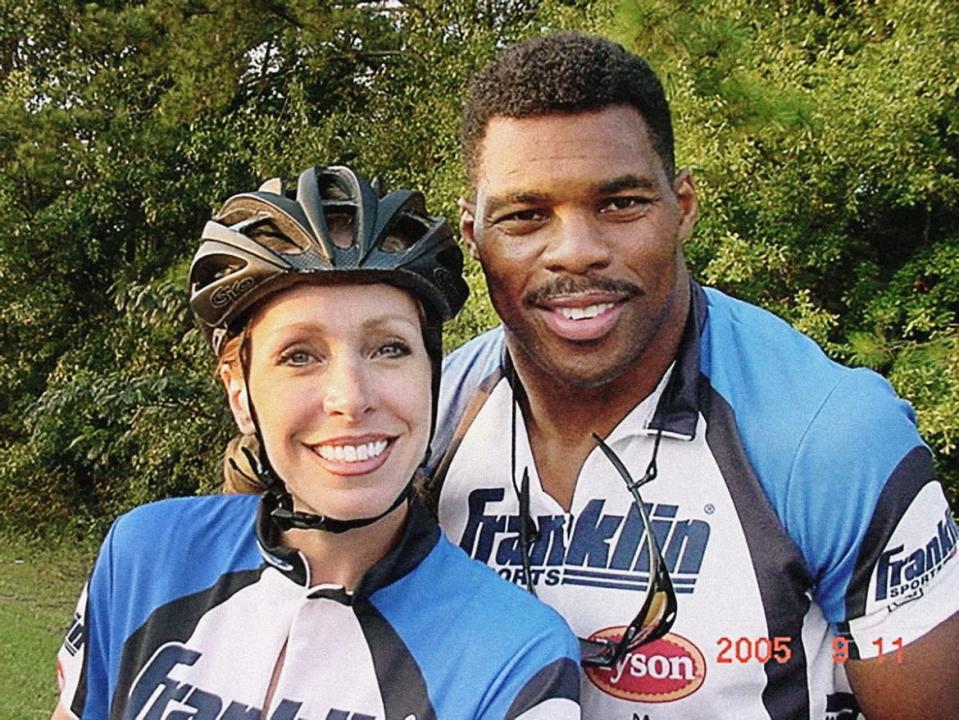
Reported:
(762, 365)
(481, 354)
(465, 370)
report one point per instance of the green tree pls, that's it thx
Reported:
(824, 137)
(122, 127)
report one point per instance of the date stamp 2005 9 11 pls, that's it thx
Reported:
(764, 649)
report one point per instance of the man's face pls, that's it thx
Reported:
(580, 233)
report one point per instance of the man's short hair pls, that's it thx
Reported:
(564, 73)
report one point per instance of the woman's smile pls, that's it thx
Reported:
(340, 381)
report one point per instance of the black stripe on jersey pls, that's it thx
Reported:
(677, 412)
(420, 535)
(80, 696)
(559, 679)
(401, 682)
(780, 570)
(173, 622)
(911, 475)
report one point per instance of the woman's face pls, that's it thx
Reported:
(340, 383)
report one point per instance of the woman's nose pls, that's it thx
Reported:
(347, 389)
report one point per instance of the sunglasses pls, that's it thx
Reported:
(658, 611)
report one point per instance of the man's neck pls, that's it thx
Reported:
(560, 418)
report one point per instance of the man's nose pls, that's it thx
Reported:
(578, 245)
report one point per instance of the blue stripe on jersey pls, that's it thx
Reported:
(225, 532)
(484, 601)
(833, 422)
(226, 535)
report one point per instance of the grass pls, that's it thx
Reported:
(39, 587)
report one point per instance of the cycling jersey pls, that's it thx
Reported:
(795, 506)
(193, 610)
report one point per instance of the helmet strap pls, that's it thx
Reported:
(287, 519)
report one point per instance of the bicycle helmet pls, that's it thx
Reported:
(336, 228)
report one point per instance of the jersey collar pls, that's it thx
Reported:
(420, 535)
(677, 413)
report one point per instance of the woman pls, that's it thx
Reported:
(333, 596)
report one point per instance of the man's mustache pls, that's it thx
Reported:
(565, 285)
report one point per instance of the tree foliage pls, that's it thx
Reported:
(823, 136)
(123, 125)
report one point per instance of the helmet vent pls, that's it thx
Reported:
(214, 267)
(340, 223)
(331, 188)
(268, 234)
(402, 234)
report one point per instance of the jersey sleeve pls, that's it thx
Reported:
(906, 577)
(82, 662)
(541, 683)
(464, 371)
(880, 536)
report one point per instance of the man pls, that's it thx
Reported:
(791, 500)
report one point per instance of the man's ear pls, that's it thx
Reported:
(467, 229)
(688, 203)
(237, 395)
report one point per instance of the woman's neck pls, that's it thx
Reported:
(343, 558)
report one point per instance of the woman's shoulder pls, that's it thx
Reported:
(494, 599)
(182, 522)
(504, 644)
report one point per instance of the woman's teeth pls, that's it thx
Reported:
(351, 453)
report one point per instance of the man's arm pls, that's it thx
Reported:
(924, 685)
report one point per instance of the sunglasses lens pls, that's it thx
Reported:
(596, 653)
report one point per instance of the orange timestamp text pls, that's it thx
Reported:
(764, 649)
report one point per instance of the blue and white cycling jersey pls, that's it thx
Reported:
(795, 505)
(194, 611)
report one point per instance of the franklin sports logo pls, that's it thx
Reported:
(155, 692)
(603, 550)
(841, 706)
(901, 574)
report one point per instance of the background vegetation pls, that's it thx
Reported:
(824, 136)
(39, 587)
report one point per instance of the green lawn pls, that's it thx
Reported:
(38, 592)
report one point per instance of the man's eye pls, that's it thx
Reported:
(525, 216)
(620, 204)
(520, 221)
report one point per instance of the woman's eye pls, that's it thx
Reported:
(393, 349)
(296, 358)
